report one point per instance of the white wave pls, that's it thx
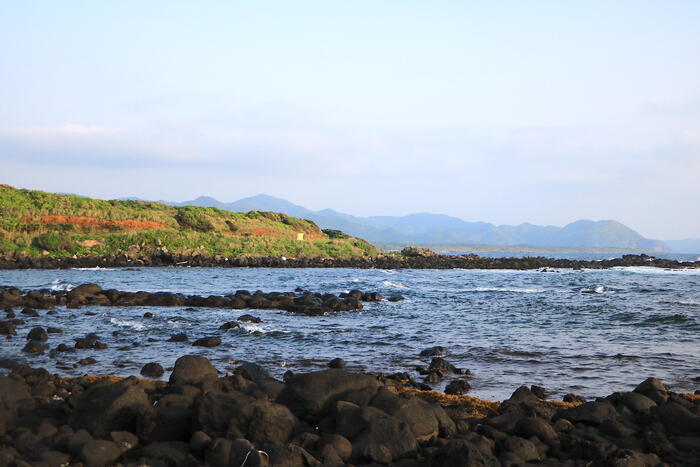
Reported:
(397, 285)
(58, 284)
(655, 270)
(96, 268)
(252, 328)
(126, 323)
(355, 280)
(505, 289)
(689, 303)
(388, 271)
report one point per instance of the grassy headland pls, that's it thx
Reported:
(48, 224)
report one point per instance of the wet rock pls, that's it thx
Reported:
(38, 334)
(7, 328)
(458, 387)
(30, 312)
(192, 369)
(437, 351)
(372, 297)
(100, 452)
(252, 372)
(538, 391)
(433, 377)
(249, 319)
(35, 347)
(573, 398)
(207, 342)
(89, 342)
(180, 337)
(51, 330)
(396, 298)
(148, 314)
(152, 370)
(443, 366)
(338, 363)
(87, 361)
(229, 325)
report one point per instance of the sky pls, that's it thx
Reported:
(505, 112)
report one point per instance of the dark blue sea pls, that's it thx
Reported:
(590, 332)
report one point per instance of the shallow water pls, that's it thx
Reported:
(589, 332)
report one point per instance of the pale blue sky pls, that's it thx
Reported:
(507, 112)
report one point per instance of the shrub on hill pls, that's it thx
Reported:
(193, 219)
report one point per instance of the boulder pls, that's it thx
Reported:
(35, 347)
(252, 372)
(312, 393)
(338, 363)
(213, 411)
(192, 369)
(437, 351)
(180, 337)
(636, 402)
(109, 407)
(100, 452)
(207, 342)
(531, 426)
(591, 412)
(249, 319)
(654, 389)
(11, 390)
(152, 370)
(38, 334)
(458, 387)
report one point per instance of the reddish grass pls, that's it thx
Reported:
(95, 222)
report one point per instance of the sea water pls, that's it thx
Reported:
(589, 332)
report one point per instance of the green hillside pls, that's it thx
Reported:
(47, 224)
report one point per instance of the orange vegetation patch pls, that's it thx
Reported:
(265, 233)
(95, 222)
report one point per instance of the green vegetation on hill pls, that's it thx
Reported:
(40, 223)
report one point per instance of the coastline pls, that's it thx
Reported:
(388, 261)
(333, 417)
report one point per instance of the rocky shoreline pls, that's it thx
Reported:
(388, 261)
(331, 417)
(300, 301)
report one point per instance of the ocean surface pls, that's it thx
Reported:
(580, 256)
(589, 332)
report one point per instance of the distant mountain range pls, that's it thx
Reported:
(438, 229)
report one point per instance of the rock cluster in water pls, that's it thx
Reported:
(159, 257)
(301, 301)
(332, 417)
